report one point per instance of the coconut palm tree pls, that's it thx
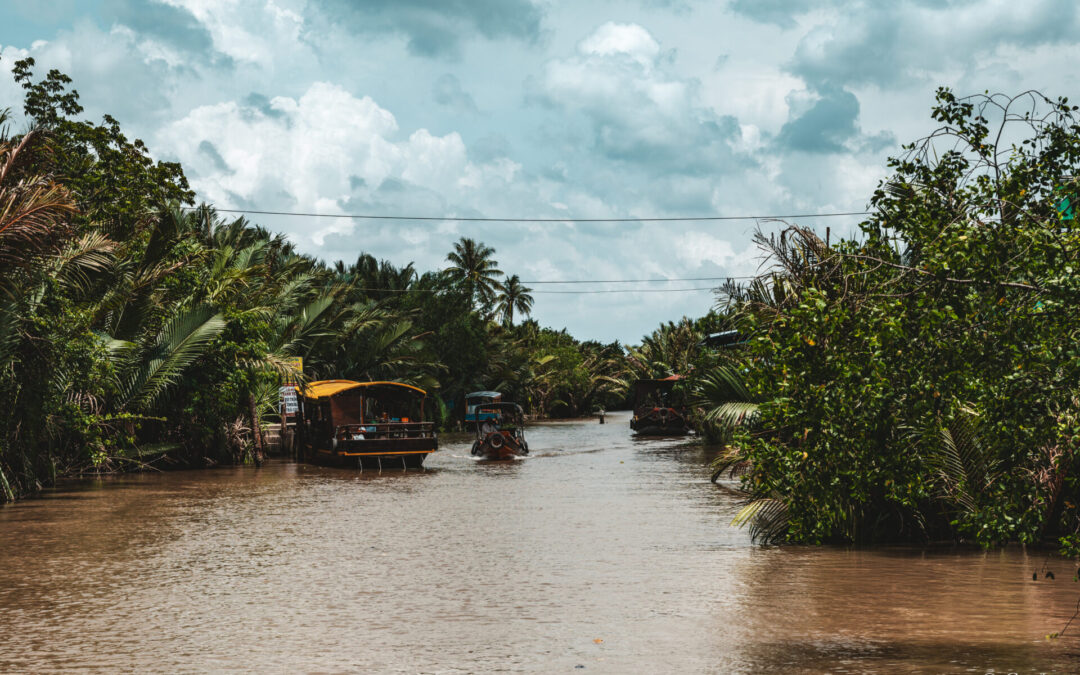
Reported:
(669, 350)
(513, 296)
(473, 268)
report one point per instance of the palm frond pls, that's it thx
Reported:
(725, 399)
(176, 346)
(767, 518)
(964, 464)
(733, 459)
(91, 254)
(148, 450)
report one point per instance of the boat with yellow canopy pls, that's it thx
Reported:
(364, 424)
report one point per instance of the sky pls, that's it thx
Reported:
(541, 109)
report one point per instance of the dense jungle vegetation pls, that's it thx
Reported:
(921, 381)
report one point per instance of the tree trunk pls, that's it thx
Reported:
(256, 431)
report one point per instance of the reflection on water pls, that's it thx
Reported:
(595, 551)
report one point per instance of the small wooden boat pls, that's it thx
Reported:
(364, 424)
(655, 413)
(500, 432)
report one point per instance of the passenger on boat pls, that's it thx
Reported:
(490, 426)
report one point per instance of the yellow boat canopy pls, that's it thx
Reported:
(325, 388)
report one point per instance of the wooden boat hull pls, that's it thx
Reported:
(661, 431)
(401, 454)
(659, 422)
(509, 448)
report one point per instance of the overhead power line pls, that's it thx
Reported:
(636, 281)
(634, 290)
(614, 290)
(462, 219)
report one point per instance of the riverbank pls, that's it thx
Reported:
(598, 550)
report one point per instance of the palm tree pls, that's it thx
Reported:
(474, 270)
(146, 371)
(513, 296)
(37, 254)
(35, 211)
(669, 350)
(377, 279)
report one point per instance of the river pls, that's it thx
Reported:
(598, 553)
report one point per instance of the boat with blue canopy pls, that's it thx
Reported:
(475, 405)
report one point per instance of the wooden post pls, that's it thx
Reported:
(256, 432)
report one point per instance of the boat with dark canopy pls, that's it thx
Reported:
(500, 431)
(656, 412)
(364, 424)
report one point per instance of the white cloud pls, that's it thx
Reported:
(623, 39)
(10, 92)
(639, 112)
(253, 31)
(319, 152)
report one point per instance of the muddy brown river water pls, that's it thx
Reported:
(598, 553)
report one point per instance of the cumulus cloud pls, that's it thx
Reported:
(639, 112)
(448, 92)
(247, 31)
(116, 71)
(324, 151)
(10, 93)
(885, 44)
(437, 29)
(163, 23)
(827, 121)
(616, 39)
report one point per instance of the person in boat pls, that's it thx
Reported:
(490, 426)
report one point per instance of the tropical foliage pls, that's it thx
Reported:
(920, 382)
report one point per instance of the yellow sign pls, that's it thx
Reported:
(296, 363)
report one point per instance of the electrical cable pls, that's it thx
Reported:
(557, 220)
(531, 292)
(463, 219)
(635, 281)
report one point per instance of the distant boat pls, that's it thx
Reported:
(476, 399)
(500, 434)
(364, 424)
(654, 411)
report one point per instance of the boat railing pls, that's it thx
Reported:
(645, 410)
(383, 430)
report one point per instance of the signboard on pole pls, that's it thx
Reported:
(1067, 202)
(287, 400)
